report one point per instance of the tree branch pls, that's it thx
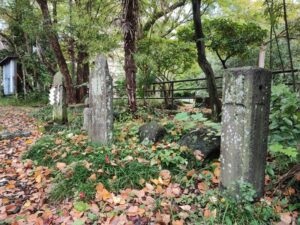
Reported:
(160, 14)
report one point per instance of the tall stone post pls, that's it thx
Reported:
(245, 121)
(99, 116)
(57, 99)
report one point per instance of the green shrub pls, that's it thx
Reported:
(285, 116)
(32, 99)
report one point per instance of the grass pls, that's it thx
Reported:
(129, 164)
(118, 175)
(31, 100)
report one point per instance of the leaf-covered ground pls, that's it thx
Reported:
(61, 178)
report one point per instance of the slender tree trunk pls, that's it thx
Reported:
(82, 73)
(278, 49)
(271, 46)
(71, 41)
(61, 61)
(130, 27)
(54, 11)
(215, 103)
(222, 60)
(289, 44)
(43, 59)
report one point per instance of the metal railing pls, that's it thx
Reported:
(148, 94)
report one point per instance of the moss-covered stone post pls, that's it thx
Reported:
(100, 113)
(86, 115)
(245, 121)
(57, 99)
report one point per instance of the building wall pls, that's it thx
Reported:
(9, 77)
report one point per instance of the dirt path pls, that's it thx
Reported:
(21, 186)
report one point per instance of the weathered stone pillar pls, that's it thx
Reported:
(245, 121)
(100, 113)
(57, 99)
(86, 115)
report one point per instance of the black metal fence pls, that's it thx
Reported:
(171, 90)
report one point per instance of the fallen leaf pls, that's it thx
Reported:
(217, 172)
(191, 173)
(199, 155)
(178, 222)
(202, 187)
(286, 217)
(29, 142)
(27, 204)
(185, 207)
(60, 166)
(38, 178)
(93, 177)
(132, 211)
(5, 201)
(163, 218)
(102, 193)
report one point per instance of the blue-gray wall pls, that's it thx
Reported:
(9, 77)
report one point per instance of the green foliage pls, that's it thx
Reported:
(291, 152)
(49, 150)
(39, 151)
(171, 155)
(32, 99)
(229, 210)
(159, 59)
(198, 117)
(226, 37)
(284, 117)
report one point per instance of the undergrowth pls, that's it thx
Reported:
(130, 164)
(32, 99)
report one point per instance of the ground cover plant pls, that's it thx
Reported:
(142, 183)
(161, 63)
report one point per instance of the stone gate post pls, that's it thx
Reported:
(245, 122)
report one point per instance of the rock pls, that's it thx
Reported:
(203, 140)
(10, 135)
(151, 131)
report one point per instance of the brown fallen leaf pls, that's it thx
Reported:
(58, 141)
(163, 218)
(60, 166)
(191, 173)
(93, 177)
(186, 207)
(102, 193)
(29, 142)
(132, 211)
(286, 217)
(208, 213)
(5, 201)
(199, 155)
(177, 222)
(202, 187)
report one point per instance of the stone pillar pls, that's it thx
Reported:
(86, 115)
(57, 99)
(245, 122)
(99, 116)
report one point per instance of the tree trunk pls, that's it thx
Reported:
(82, 74)
(61, 61)
(43, 59)
(289, 44)
(130, 26)
(204, 64)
